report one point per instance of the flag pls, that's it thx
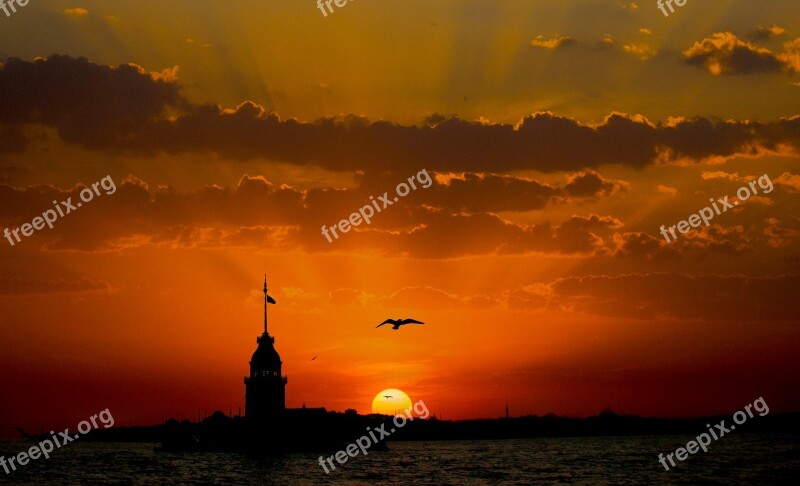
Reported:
(269, 298)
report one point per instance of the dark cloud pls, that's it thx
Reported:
(257, 214)
(781, 233)
(673, 296)
(589, 183)
(761, 33)
(643, 247)
(442, 235)
(702, 242)
(469, 191)
(702, 138)
(716, 239)
(584, 235)
(127, 110)
(724, 53)
(641, 296)
(789, 182)
(89, 104)
(442, 221)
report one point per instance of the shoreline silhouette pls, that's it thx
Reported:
(322, 430)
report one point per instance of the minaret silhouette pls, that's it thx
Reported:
(265, 388)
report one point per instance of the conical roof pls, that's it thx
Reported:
(266, 357)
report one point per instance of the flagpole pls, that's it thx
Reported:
(265, 304)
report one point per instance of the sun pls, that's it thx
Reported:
(391, 402)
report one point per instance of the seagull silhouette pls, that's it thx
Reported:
(312, 359)
(396, 323)
(387, 396)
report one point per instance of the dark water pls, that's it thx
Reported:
(744, 459)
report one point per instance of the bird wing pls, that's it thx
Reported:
(387, 321)
(411, 321)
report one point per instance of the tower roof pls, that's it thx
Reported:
(265, 356)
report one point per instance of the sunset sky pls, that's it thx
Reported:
(560, 136)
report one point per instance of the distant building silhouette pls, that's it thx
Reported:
(265, 388)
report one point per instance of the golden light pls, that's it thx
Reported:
(391, 402)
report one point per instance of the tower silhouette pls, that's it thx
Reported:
(265, 388)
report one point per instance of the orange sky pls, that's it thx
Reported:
(559, 137)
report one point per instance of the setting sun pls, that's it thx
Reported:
(391, 402)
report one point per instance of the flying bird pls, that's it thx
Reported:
(312, 359)
(387, 396)
(396, 323)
